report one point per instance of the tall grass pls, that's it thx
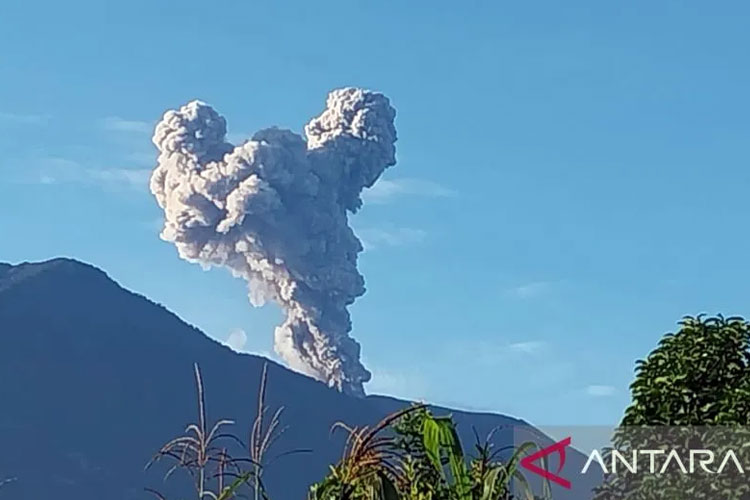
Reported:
(413, 455)
(202, 454)
(409, 455)
(263, 435)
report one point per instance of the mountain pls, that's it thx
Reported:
(94, 379)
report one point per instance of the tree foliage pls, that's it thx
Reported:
(691, 393)
(697, 376)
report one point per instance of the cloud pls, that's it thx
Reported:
(395, 383)
(117, 124)
(385, 191)
(493, 352)
(600, 391)
(373, 237)
(23, 118)
(237, 339)
(61, 170)
(527, 347)
(55, 170)
(523, 377)
(135, 178)
(531, 290)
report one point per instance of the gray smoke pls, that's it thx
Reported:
(274, 212)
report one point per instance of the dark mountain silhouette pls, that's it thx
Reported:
(94, 379)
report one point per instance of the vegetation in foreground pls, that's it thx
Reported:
(692, 391)
(411, 454)
(697, 377)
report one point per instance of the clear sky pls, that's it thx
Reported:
(572, 179)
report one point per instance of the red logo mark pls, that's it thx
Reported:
(559, 448)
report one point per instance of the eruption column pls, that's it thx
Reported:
(274, 211)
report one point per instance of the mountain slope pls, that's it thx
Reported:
(93, 379)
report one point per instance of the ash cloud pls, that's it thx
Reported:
(274, 211)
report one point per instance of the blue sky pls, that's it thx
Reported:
(572, 176)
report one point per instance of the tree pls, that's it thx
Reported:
(692, 391)
(697, 376)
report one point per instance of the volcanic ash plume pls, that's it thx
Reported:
(274, 211)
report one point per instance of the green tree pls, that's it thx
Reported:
(697, 376)
(692, 391)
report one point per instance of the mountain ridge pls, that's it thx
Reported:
(28, 270)
(88, 367)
